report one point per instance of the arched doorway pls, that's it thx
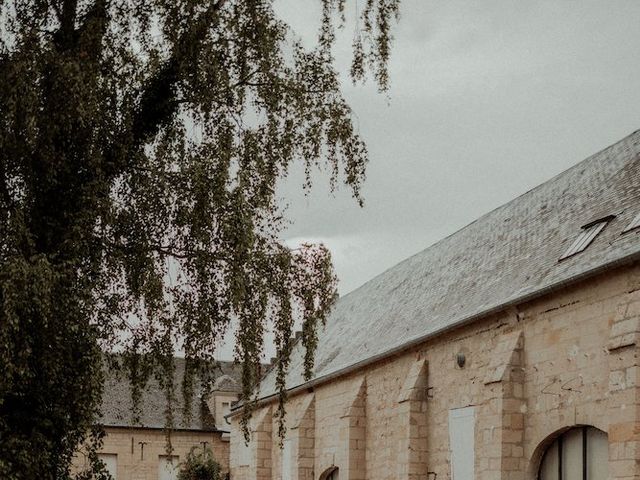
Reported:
(330, 473)
(580, 453)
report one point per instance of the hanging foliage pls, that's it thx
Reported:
(141, 145)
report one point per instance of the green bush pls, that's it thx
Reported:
(200, 465)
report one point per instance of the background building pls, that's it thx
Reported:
(509, 350)
(137, 450)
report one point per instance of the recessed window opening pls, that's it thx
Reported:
(581, 453)
(287, 460)
(635, 223)
(244, 453)
(330, 474)
(589, 232)
(168, 468)
(110, 461)
(462, 443)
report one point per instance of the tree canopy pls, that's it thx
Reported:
(141, 146)
(200, 465)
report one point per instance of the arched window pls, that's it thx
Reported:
(330, 474)
(581, 453)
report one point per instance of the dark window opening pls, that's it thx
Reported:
(578, 454)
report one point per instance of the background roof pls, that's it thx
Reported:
(507, 254)
(117, 405)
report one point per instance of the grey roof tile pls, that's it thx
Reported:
(509, 253)
(117, 405)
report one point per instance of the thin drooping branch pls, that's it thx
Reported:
(57, 10)
(158, 102)
(4, 190)
(67, 18)
(142, 148)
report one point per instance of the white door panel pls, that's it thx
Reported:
(462, 443)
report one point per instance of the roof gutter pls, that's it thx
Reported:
(190, 430)
(622, 261)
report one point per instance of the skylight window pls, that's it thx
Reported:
(589, 232)
(635, 223)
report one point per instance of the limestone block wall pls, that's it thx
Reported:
(139, 451)
(500, 454)
(339, 410)
(530, 372)
(624, 389)
(412, 423)
(301, 435)
(253, 461)
(219, 404)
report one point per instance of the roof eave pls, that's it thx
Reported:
(183, 429)
(587, 274)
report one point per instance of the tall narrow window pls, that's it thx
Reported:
(244, 453)
(287, 459)
(222, 409)
(462, 443)
(110, 461)
(330, 474)
(578, 454)
(168, 467)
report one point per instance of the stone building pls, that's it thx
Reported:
(137, 450)
(508, 350)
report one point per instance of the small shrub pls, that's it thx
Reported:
(200, 465)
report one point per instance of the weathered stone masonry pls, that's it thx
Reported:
(509, 350)
(530, 373)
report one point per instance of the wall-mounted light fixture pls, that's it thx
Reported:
(142, 444)
(461, 359)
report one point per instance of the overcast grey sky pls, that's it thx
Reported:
(488, 99)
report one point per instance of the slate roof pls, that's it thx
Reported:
(510, 254)
(117, 404)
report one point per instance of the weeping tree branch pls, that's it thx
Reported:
(158, 103)
(109, 187)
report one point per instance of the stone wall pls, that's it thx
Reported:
(139, 451)
(568, 359)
